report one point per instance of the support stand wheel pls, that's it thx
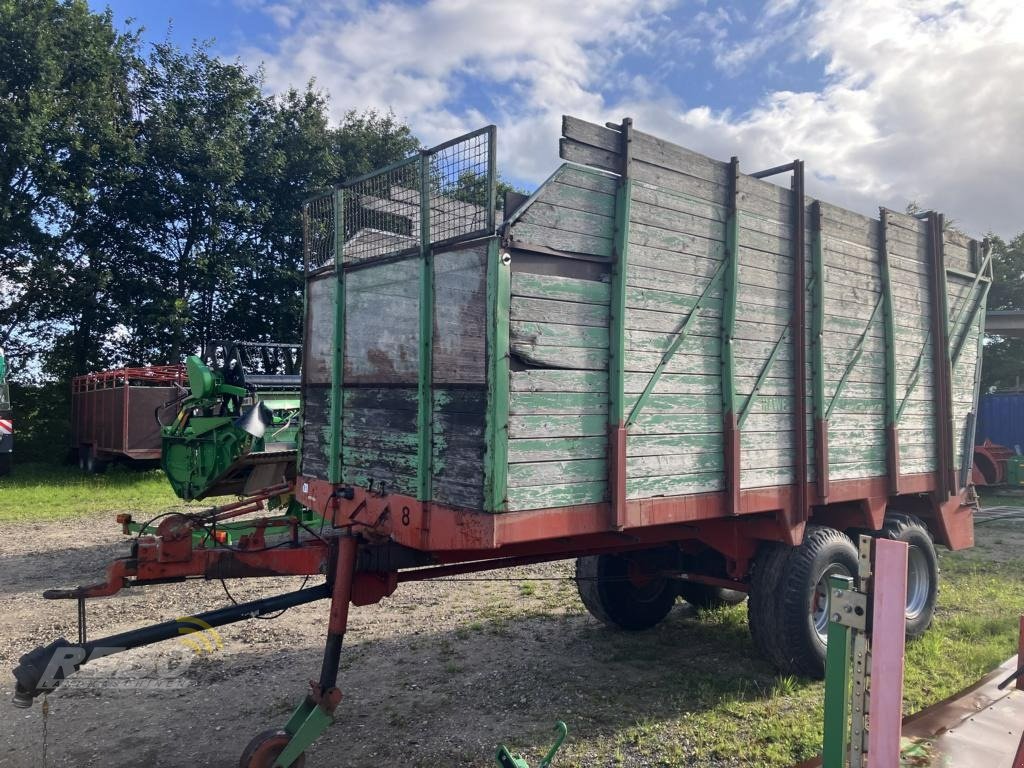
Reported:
(265, 748)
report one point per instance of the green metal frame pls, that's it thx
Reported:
(617, 306)
(837, 685)
(889, 321)
(424, 389)
(748, 406)
(681, 335)
(858, 350)
(499, 298)
(338, 357)
(730, 288)
(729, 292)
(818, 350)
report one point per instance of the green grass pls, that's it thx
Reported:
(44, 492)
(693, 691)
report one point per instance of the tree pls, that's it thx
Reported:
(1003, 360)
(64, 131)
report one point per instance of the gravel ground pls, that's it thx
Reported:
(438, 674)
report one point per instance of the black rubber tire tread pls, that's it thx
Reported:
(765, 576)
(801, 650)
(5, 464)
(900, 526)
(609, 596)
(705, 596)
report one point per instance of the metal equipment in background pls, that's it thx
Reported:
(114, 414)
(236, 427)
(507, 760)
(6, 420)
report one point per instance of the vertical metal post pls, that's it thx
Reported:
(617, 335)
(798, 338)
(499, 298)
(945, 480)
(892, 433)
(492, 177)
(888, 631)
(837, 685)
(730, 429)
(818, 351)
(338, 349)
(424, 393)
(1020, 655)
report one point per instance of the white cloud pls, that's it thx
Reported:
(921, 99)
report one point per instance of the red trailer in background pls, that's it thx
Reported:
(114, 413)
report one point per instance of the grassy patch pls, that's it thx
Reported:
(44, 492)
(694, 692)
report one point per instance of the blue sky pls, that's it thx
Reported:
(885, 101)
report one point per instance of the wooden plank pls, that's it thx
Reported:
(558, 495)
(561, 312)
(675, 485)
(583, 358)
(557, 448)
(540, 380)
(559, 288)
(559, 217)
(591, 133)
(557, 334)
(521, 403)
(556, 425)
(587, 178)
(556, 472)
(673, 464)
(572, 197)
(585, 154)
(524, 234)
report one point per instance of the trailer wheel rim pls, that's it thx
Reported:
(820, 599)
(918, 582)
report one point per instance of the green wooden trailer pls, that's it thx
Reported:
(687, 369)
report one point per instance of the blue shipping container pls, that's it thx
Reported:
(1001, 419)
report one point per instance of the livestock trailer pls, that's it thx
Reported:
(114, 414)
(692, 379)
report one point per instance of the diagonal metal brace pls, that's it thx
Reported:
(674, 346)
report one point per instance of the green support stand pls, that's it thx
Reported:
(507, 760)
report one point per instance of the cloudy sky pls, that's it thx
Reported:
(885, 101)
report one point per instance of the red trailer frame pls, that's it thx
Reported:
(113, 412)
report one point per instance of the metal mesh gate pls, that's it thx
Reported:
(443, 194)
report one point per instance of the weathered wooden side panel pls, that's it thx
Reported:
(458, 446)
(460, 293)
(315, 438)
(320, 313)
(558, 333)
(379, 438)
(382, 323)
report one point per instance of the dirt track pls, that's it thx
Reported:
(436, 675)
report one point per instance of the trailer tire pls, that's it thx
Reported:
(265, 747)
(705, 596)
(765, 577)
(803, 597)
(613, 594)
(94, 465)
(922, 569)
(5, 464)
